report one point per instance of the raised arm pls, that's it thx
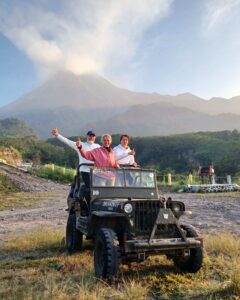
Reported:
(63, 139)
(123, 155)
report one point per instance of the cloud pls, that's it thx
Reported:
(77, 35)
(219, 12)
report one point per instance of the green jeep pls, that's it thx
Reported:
(127, 220)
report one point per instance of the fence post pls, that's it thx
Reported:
(190, 179)
(213, 179)
(63, 171)
(169, 179)
(229, 179)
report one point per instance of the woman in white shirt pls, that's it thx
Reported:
(123, 152)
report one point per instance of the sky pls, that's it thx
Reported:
(164, 46)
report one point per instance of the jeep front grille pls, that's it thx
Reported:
(145, 214)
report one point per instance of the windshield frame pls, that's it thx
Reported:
(124, 182)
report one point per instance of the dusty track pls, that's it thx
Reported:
(27, 182)
(48, 211)
(211, 213)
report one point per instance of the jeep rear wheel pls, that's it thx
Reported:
(73, 236)
(193, 262)
(106, 254)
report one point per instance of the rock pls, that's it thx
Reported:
(60, 267)
(3, 257)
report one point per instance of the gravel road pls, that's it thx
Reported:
(48, 211)
(210, 213)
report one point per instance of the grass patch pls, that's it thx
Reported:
(224, 244)
(36, 240)
(224, 194)
(55, 173)
(6, 185)
(36, 266)
(12, 200)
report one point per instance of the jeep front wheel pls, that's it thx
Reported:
(106, 254)
(193, 262)
(73, 236)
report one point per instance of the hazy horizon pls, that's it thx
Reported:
(121, 87)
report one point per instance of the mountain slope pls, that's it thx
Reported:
(164, 119)
(70, 102)
(14, 128)
(88, 91)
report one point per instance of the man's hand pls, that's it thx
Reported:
(135, 165)
(55, 132)
(132, 152)
(78, 142)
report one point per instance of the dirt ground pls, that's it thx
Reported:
(210, 213)
(49, 210)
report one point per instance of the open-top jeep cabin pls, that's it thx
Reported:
(128, 220)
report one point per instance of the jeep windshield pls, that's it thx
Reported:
(123, 178)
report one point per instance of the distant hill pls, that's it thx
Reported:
(214, 106)
(75, 103)
(11, 127)
(164, 119)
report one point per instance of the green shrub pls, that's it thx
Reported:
(6, 185)
(57, 173)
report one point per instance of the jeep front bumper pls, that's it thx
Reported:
(162, 245)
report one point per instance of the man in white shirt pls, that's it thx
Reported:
(124, 154)
(88, 146)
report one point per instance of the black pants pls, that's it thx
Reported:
(86, 178)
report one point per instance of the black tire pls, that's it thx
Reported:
(107, 255)
(73, 236)
(193, 262)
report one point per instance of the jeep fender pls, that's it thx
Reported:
(106, 219)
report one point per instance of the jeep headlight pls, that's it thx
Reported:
(128, 208)
(176, 207)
